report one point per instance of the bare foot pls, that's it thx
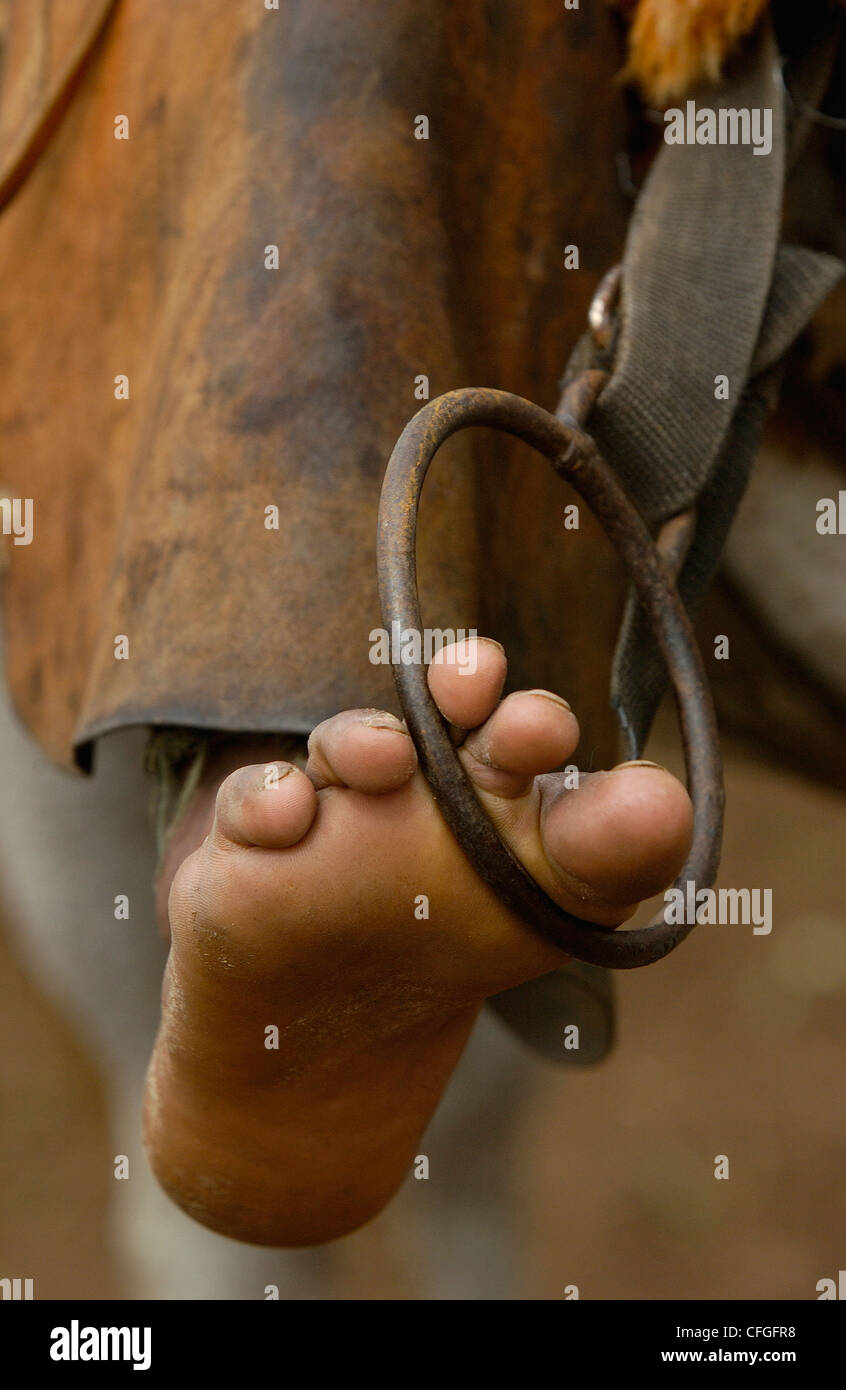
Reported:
(334, 906)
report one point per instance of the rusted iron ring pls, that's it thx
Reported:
(574, 455)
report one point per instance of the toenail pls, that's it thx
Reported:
(548, 695)
(640, 762)
(273, 774)
(387, 721)
(492, 642)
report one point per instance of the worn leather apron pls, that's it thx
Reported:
(252, 388)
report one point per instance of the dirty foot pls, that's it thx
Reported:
(331, 947)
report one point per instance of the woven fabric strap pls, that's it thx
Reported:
(708, 292)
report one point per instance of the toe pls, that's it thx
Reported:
(368, 750)
(466, 679)
(530, 732)
(622, 836)
(269, 805)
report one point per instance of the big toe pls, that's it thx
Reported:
(618, 838)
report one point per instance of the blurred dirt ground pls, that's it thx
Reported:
(735, 1045)
(53, 1137)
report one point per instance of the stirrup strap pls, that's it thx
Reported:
(708, 292)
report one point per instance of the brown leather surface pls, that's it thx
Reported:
(38, 40)
(251, 387)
